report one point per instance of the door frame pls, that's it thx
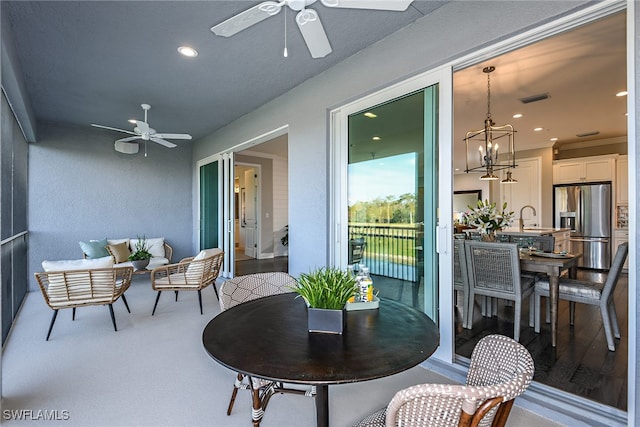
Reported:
(224, 228)
(338, 215)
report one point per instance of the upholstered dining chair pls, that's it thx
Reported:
(500, 370)
(241, 289)
(494, 271)
(587, 292)
(461, 278)
(190, 274)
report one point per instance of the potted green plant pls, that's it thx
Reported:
(326, 291)
(141, 255)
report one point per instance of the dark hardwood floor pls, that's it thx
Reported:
(580, 364)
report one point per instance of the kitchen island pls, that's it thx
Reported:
(560, 235)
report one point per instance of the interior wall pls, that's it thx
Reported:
(80, 188)
(419, 47)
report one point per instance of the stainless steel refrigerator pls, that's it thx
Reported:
(586, 210)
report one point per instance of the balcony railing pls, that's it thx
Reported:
(393, 250)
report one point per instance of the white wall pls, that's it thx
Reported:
(433, 40)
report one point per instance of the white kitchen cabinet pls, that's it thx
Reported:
(586, 169)
(527, 191)
(622, 180)
(620, 236)
(561, 241)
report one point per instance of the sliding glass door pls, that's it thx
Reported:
(217, 208)
(388, 192)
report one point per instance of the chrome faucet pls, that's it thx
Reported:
(521, 221)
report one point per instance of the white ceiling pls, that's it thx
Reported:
(581, 70)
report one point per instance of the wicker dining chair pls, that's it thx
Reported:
(190, 274)
(500, 370)
(494, 271)
(587, 292)
(241, 289)
(461, 278)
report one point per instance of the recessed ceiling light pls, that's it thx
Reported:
(188, 51)
(376, 138)
(537, 129)
(370, 115)
(132, 121)
(554, 139)
(517, 115)
(623, 93)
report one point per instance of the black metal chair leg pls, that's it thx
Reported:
(200, 300)
(113, 317)
(176, 295)
(73, 313)
(216, 290)
(156, 304)
(53, 320)
(124, 300)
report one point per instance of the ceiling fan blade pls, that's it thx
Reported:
(397, 5)
(245, 19)
(130, 138)
(313, 33)
(116, 129)
(172, 135)
(163, 142)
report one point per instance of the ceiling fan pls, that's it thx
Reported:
(307, 19)
(143, 132)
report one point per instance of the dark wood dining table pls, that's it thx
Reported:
(268, 338)
(552, 267)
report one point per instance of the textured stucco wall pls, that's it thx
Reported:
(80, 188)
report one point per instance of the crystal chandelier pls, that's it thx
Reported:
(485, 143)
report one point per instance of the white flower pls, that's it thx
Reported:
(486, 219)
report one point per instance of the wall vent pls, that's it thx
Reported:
(535, 98)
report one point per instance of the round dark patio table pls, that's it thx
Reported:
(268, 338)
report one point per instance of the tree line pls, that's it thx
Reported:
(385, 210)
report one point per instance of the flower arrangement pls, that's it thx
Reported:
(486, 218)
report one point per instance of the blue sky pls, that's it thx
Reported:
(389, 176)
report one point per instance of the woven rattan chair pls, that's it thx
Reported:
(501, 369)
(246, 288)
(79, 288)
(587, 292)
(190, 274)
(494, 271)
(461, 278)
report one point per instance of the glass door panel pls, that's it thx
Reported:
(391, 154)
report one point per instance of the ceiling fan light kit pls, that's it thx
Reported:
(144, 132)
(308, 20)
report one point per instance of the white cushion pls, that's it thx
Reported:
(156, 246)
(78, 264)
(195, 269)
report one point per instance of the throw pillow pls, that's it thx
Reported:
(94, 248)
(155, 246)
(120, 252)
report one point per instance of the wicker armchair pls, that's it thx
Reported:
(78, 288)
(190, 274)
(246, 288)
(592, 293)
(494, 271)
(501, 369)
